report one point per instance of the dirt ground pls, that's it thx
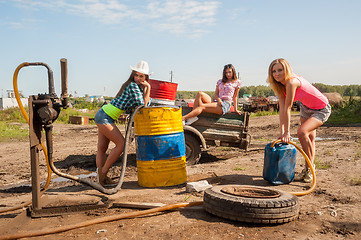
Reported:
(331, 211)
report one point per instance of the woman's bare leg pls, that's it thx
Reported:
(207, 107)
(102, 147)
(307, 136)
(111, 133)
(201, 98)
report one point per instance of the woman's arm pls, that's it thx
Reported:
(235, 101)
(146, 92)
(216, 95)
(285, 103)
(136, 93)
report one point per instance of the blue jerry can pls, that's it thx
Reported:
(279, 163)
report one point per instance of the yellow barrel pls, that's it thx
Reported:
(158, 120)
(160, 146)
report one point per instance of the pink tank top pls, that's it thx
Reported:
(309, 95)
(226, 91)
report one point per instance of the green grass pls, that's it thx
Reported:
(322, 165)
(348, 114)
(263, 113)
(239, 168)
(329, 152)
(8, 127)
(356, 181)
(12, 121)
(12, 115)
(65, 113)
(9, 130)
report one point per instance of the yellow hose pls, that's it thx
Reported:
(53, 230)
(22, 109)
(309, 165)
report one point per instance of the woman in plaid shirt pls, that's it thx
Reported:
(134, 92)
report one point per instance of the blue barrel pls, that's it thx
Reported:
(279, 163)
(160, 146)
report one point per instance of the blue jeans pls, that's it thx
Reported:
(102, 118)
(226, 106)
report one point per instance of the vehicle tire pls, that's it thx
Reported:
(193, 149)
(282, 208)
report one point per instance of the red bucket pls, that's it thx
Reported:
(162, 90)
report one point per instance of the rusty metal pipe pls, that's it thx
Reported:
(64, 82)
(50, 76)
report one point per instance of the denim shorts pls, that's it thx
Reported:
(320, 114)
(102, 118)
(226, 106)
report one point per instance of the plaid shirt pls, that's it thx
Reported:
(131, 97)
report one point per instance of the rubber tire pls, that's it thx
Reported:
(193, 149)
(282, 209)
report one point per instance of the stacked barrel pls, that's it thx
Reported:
(160, 146)
(162, 92)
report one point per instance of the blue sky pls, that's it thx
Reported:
(192, 38)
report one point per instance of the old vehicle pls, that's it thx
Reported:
(256, 104)
(211, 129)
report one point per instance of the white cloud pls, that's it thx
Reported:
(190, 17)
(182, 16)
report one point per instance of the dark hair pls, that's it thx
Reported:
(130, 79)
(234, 75)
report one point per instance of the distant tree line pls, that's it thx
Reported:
(266, 91)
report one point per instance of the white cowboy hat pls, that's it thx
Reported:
(141, 67)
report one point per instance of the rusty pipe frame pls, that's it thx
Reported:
(49, 127)
(50, 75)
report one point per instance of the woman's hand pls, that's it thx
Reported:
(285, 137)
(144, 85)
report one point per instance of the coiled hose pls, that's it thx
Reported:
(309, 165)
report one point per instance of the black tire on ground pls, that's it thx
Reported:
(281, 209)
(193, 149)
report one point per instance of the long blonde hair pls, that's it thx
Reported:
(130, 79)
(278, 87)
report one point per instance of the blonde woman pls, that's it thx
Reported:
(314, 111)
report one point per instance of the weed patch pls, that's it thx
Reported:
(356, 181)
(322, 165)
(239, 169)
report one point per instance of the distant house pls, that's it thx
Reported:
(11, 102)
(95, 98)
